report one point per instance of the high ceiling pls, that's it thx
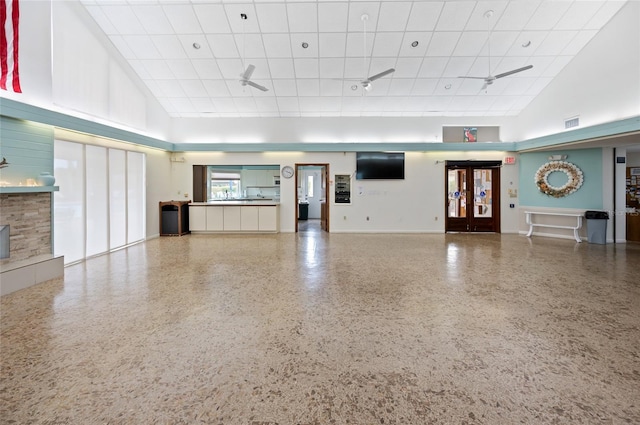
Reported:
(430, 44)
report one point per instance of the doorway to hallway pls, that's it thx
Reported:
(312, 194)
(472, 196)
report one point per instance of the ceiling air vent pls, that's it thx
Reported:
(571, 122)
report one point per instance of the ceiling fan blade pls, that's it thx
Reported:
(248, 72)
(382, 74)
(475, 78)
(504, 74)
(258, 86)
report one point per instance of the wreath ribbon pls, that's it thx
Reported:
(575, 178)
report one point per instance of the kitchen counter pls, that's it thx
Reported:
(235, 215)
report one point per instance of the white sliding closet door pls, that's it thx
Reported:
(117, 198)
(135, 197)
(97, 209)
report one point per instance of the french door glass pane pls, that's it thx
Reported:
(482, 193)
(135, 197)
(117, 199)
(457, 191)
(97, 205)
(68, 202)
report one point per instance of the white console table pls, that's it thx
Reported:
(575, 227)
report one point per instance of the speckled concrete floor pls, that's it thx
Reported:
(323, 329)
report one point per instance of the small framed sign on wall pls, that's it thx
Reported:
(470, 134)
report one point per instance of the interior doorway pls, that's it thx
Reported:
(311, 197)
(472, 196)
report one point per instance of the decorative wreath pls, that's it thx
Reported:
(574, 174)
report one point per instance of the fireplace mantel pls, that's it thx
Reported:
(28, 189)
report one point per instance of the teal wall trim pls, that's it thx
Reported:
(23, 111)
(621, 127)
(28, 148)
(589, 196)
(343, 147)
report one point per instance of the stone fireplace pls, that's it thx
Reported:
(27, 216)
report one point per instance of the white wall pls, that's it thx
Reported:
(601, 84)
(413, 205)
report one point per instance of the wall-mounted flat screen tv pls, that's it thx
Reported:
(379, 165)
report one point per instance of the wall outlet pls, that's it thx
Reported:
(512, 205)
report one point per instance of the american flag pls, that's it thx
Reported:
(9, 16)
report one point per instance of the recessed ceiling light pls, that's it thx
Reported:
(243, 16)
(526, 43)
(447, 87)
(305, 44)
(415, 44)
(196, 46)
(354, 87)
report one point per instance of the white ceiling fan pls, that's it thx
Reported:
(366, 82)
(245, 77)
(489, 79)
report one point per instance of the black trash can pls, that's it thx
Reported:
(596, 226)
(169, 220)
(303, 211)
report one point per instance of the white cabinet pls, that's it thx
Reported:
(268, 219)
(197, 218)
(249, 219)
(232, 218)
(215, 219)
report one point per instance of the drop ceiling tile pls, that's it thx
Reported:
(250, 45)
(501, 42)
(141, 46)
(438, 103)
(238, 25)
(308, 87)
(123, 19)
(379, 65)
(189, 41)
(558, 64)
(288, 104)
(302, 17)
(182, 69)
(604, 14)
(458, 66)
(378, 104)
(578, 42)
(469, 87)
(504, 103)
(170, 88)
(355, 46)
(329, 87)
(153, 86)
(357, 9)
(400, 87)
(547, 15)
(578, 15)
(380, 87)
(285, 87)
(224, 105)
(193, 88)
(555, 43)
(423, 39)
(223, 46)
(535, 38)
(387, 44)
(424, 16)
(332, 45)
(183, 18)
(470, 43)
(212, 18)
(443, 43)
(331, 67)
(518, 85)
(311, 51)
(277, 45)
(238, 90)
(157, 69)
(306, 68)
(352, 104)
(169, 46)
(246, 104)
(153, 19)
(272, 17)
(424, 86)
(407, 67)
(454, 15)
(266, 104)
(394, 16)
(203, 105)
(216, 88)
(332, 17)
(230, 69)
(281, 68)
(479, 22)
(183, 105)
(207, 69)
(516, 15)
(433, 67)
(140, 69)
(453, 84)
